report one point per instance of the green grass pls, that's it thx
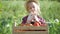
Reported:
(14, 10)
(50, 10)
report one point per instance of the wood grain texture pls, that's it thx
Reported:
(30, 30)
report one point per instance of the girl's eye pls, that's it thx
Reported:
(33, 7)
(30, 8)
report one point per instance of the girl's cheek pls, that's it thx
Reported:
(30, 10)
(35, 9)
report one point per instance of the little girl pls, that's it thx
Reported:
(33, 17)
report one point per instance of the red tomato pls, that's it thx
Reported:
(36, 24)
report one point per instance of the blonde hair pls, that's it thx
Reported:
(35, 1)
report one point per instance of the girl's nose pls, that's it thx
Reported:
(32, 9)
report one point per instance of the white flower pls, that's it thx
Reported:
(7, 25)
(56, 20)
(15, 24)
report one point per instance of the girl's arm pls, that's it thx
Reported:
(42, 20)
(24, 19)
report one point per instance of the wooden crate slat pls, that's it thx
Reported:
(18, 30)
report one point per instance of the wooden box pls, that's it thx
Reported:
(30, 30)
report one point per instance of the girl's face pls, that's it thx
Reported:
(32, 7)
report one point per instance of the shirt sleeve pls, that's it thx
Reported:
(42, 20)
(24, 19)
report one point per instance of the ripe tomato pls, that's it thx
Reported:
(36, 24)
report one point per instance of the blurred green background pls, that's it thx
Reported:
(14, 10)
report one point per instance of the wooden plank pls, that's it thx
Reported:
(30, 30)
(31, 27)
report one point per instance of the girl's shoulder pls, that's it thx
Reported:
(25, 17)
